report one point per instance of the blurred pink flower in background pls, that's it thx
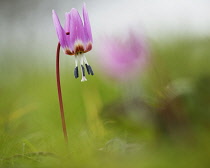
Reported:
(121, 59)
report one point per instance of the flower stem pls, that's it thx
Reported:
(60, 93)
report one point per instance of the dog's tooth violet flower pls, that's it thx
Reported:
(75, 38)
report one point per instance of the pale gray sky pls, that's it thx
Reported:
(29, 22)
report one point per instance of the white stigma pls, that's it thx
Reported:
(83, 79)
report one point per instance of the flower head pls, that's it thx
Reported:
(75, 38)
(123, 60)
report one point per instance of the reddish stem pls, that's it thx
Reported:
(60, 93)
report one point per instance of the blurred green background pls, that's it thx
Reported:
(161, 120)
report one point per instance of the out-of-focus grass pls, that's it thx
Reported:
(166, 125)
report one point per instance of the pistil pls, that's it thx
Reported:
(82, 59)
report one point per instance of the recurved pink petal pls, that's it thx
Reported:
(77, 30)
(60, 31)
(67, 24)
(87, 28)
(67, 29)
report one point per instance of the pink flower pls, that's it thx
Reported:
(75, 38)
(123, 60)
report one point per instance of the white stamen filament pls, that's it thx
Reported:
(81, 64)
(85, 60)
(81, 58)
(76, 61)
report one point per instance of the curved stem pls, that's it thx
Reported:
(60, 93)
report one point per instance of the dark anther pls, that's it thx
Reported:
(90, 69)
(67, 33)
(83, 70)
(76, 72)
(87, 67)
